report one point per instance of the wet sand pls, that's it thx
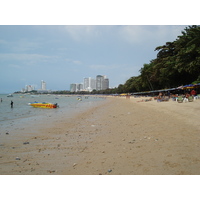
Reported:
(119, 137)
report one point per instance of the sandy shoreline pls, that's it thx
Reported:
(120, 136)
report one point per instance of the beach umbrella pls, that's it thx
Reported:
(180, 87)
(197, 85)
(189, 86)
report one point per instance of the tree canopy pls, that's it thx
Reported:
(177, 63)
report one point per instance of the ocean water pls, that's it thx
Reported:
(22, 114)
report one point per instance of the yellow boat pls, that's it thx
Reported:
(43, 105)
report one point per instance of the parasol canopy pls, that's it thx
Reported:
(189, 86)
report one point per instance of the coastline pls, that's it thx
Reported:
(117, 137)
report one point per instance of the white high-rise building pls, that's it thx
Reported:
(28, 88)
(102, 83)
(89, 84)
(76, 87)
(43, 85)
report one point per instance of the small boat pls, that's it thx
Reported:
(79, 98)
(43, 105)
(10, 95)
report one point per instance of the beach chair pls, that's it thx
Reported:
(190, 98)
(180, 99)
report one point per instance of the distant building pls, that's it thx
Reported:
(73, 87)
(23, 90)
(102, 83)
(28, 88)
(105, 83)
(79, 87)
(43, 85)
(89, 84)
(76, 87)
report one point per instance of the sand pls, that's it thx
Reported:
(119, 137)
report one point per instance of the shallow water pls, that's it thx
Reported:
(22, 114)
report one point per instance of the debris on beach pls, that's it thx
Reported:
(7, 133)
(131, 142)
(51, 171)
(74, 164)
(26, 143)
(17, 158)
(109, 170)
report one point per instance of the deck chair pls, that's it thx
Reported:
(180, 99)
(190, 98)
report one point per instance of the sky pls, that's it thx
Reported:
(65, 54)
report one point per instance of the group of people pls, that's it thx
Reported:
(162, 96)
(188, 94)
(11, 103)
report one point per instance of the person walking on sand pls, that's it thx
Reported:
(1, 99)
(11, 104)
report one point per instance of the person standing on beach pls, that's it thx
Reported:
(193, 93)
(1, 99)
(11, 104)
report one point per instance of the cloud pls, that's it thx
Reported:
(25, 60)
(15, 66)
(103, 67)
(21, 45)
(132, 34)
(139, 34)
(77, 62)
(3, 42)
(24, 45)
(84, 32)
(97, 67)
(24, 57)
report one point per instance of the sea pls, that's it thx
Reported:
(23, 115)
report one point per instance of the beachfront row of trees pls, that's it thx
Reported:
(177, 63)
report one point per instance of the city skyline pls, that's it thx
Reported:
(89, 84)
(31, 87)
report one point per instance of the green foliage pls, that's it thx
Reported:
(177, 63)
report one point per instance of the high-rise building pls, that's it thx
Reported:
(105, 83)
(85, 83)
(29, 88)
(76, 87)
(43, 85)
(89, 84)
(99, 80)
(79, 87)
(73, 87)
(102, 83)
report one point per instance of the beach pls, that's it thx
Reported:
(117, 137)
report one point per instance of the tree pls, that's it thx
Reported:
(177, 63)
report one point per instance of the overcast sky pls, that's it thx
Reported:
(61, 55)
